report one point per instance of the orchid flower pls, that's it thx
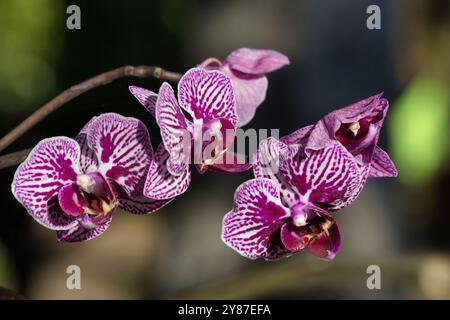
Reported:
(75, 186)
(204, 134)
(247, 69)
(316, 170)
(357, 127)
(285, 208)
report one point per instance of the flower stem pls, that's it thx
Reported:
(76, 90)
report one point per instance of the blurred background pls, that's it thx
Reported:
(398, 224)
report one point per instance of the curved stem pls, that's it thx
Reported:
(13, 158)
(76, 90)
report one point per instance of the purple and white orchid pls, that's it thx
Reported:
(247, 69)
(357, 127)
(316, 170)
(74, 186)
(203, 134)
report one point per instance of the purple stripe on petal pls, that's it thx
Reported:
(381, 165)
(51, 165)
(146, 97)
(258, 213)
(330, 177)
(256, 61)
(174, 130)
(123, 148)
(160, 183)
(80, 233)
(207, 95)
(268, 162)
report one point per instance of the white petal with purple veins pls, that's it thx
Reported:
(146, 97)
(207, 95)
(268, 163)
(52, 164)
(253, 226)
(79, 233)
(174, 130)
(141, 205)
(160, 183)
(88, 159)
(123, 149)
(330, 177)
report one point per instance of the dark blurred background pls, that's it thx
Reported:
(398, 224)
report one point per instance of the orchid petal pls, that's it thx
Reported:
(256, 61)
(270, 156)
(381, 165)
(211, 63)
(52, 164)
(140, 204)
(79, 233)
(145, 97)
(330, 177)
(123, 148)
(250, 93)
(174, 130)
(371, 110)
(299, 136)
(207, 95)
(257, 215)
(160, 183)
(88, 159)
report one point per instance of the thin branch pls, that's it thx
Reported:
(74, 91)
(11, 159)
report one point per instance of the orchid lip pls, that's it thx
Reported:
(90, 196)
